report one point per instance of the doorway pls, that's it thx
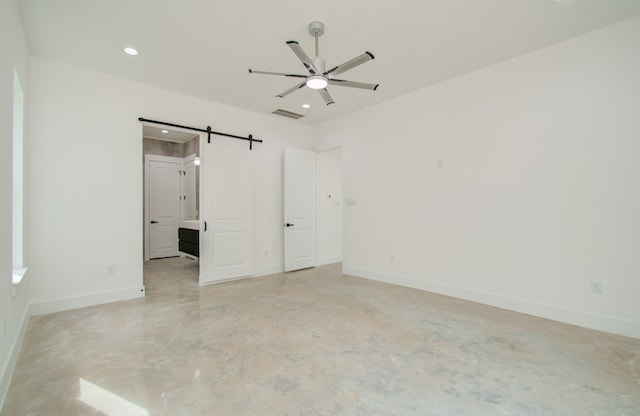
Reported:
(313, 212)
(171, 196)
(329, 203)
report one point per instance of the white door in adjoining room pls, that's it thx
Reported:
(163, 195)
(299, 209)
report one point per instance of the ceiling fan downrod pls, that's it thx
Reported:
(316, 29)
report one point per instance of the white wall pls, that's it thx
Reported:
(515, 185)
(14, 311)
(86, 210)
(329, 206)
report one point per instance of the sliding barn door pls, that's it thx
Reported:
(226, 237)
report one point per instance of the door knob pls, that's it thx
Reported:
(289, 224)
(154, 222)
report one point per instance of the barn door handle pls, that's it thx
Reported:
(205, 226)
(154, 222)
(289, 224)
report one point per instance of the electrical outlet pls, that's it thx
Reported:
(596, 287)
(266, 252)
(392, 258)
(111, 270)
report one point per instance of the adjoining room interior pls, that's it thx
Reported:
(426, 209)
(171, 194)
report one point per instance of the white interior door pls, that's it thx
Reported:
(226, 240)
(299, 209)
(164, 205)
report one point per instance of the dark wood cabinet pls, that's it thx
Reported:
(189, 241)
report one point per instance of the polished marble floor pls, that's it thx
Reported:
(314, 342)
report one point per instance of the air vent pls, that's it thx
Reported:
(289, 114)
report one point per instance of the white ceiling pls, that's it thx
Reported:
(171, 135)
(204, 48)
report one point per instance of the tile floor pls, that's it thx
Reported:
(314, 342)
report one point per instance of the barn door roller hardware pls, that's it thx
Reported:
(208, 130)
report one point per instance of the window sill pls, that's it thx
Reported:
(17, 279)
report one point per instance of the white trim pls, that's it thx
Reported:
(217, 282)
(91, 299)
(611, 324)
(18, 275)
(329, 260)
(16, 279)
(200, 181)
(185, 161)
(188, 256)
(267, 270)
(14, 351)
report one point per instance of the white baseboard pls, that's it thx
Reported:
(75, 302)
(260, 271)
(611, 324)
(231, 279)
(266, 270)
(7, 370)
(329, 260)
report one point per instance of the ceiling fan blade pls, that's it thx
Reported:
(351, 63)
(292, 89)
(253, 71)
(306, 61)
(326, 96)
(352, 84)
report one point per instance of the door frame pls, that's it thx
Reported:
(189, 158)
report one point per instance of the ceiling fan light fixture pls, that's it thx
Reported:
(318, 77)
(317, 82)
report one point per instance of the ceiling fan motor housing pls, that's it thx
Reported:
(319, 64)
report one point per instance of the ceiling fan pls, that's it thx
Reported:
(319, 77)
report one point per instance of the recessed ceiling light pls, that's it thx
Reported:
(305, 105)
(130, 51)
(165, 131)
